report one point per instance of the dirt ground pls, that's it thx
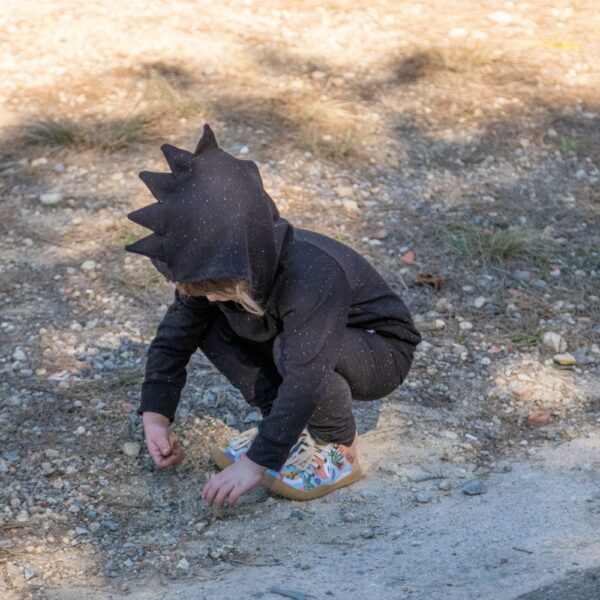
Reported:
(455, 144)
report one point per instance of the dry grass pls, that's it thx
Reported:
(492, 246)
(108, 135)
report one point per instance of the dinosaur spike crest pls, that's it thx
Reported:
(150, 246)
(159, 184)
(179, 160)
(207, 141)
(149, 217)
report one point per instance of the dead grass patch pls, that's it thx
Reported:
(496, 245)
(108, 135)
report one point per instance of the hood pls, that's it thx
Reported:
(213, 219)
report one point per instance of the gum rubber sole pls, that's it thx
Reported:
(278, 487)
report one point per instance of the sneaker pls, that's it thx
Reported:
(315, 468)
(230, 452)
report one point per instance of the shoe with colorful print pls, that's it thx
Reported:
(315, 468)
(230, 452)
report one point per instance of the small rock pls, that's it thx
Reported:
(350, 205)
(434, 325)
(523, 275)
(29, 572)
(474, 487)
(465, 325)
(380, 234)
(80, 430)
(554, 341)
(538, 417)
(479, 302)
(445, 486)
(51, 198)
(50, 453)
(10, 456)
(500, 17)
(183, 565)
(344, 191)
(88, 265)
(582, 358)
(565, 359)
(349, 517)
(243, 150)
(423, 497)
(109, 525)
(253, 417)
(200, 526)
(18, 354)
(131, 449)
(408, 258)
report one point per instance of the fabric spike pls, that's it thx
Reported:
(150, 246)
(159, 184)
(208, 140)
(149, 217)
(179, 160)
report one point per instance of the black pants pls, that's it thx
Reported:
(369, 367)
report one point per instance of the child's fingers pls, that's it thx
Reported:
(209, 491)
(223, 492)
(234, 495)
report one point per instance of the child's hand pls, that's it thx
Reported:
(232, 482)
(162, 444)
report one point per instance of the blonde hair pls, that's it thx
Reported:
(237, 290)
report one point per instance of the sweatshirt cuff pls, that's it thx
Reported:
(267, 453)
(159, 398)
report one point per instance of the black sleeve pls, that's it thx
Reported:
(313, 325)
(177, 338)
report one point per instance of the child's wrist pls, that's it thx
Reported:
(153, 418)
(251, 464)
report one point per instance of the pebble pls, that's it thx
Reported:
(80, 430)
(88, 265)
(523, 275)
(349, 517)
(538, 417)
(18, 354)
(183, 565)
(500, 17)
(434, 325)
(344, 191)
(109, 525)
(474, 487)
(131, 449)
(350, 205)
(423, 497)
(51, 198)
(565, 359)
(50, 453)
(479, 302)
(554, 341)
(465, 326)
(29, 572)
(445, 486)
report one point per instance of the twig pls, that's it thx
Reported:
(82, 541)
(237, 561)
(522, 550)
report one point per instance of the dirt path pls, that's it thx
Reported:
(536, 523)
(456, 145)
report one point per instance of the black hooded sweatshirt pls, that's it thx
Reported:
(214, 220)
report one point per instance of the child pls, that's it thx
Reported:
(300, 323)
